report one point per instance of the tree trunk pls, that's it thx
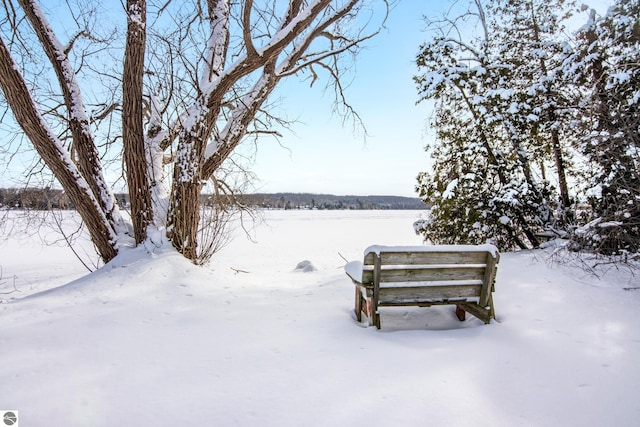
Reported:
(184, 218)
(565, 198)
(132, 127)
(184, 208)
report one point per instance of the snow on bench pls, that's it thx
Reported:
(460, 275)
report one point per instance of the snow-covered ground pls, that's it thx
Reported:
(251, 341)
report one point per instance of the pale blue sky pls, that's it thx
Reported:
(325, 156)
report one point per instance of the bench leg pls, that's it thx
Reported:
(376, 320)
(364, 304)
(474, 309)
(460, 313)
(358, 308)
(492, 310)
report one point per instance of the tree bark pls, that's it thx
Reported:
(135, 156)
(184, 218)
(184, 209)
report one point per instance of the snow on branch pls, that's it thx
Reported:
(58, 57)
(288, 66)
(49, 147)
(236, 126)
(218, 43)
(88, 159)
(294, 27)
(246, 64)
(79, 34)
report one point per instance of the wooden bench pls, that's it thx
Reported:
(460, 275)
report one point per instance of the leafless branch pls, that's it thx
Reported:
(70, 243)
(246, 30)
(104, 112)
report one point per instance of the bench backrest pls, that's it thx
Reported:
(430, 273)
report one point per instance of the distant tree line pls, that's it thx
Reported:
(537, 128)
(46, 199)
(34, 198)
(329, 201)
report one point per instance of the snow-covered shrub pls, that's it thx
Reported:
(605, 64)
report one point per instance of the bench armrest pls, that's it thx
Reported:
(354, 270)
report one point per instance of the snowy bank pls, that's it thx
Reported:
(250, 341)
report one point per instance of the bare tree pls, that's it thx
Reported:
(193, 82)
